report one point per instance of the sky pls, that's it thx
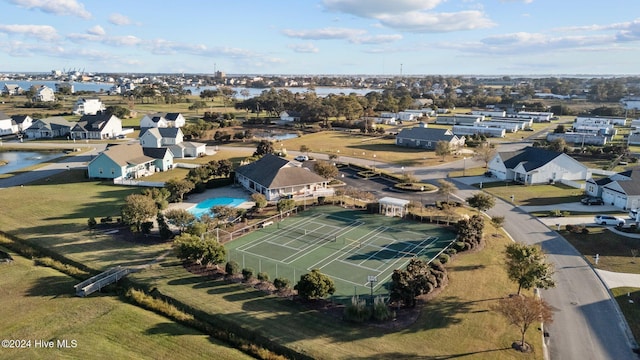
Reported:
(322, 37)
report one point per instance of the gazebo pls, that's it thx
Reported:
(390, 206)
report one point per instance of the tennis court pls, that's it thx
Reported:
(352, 247)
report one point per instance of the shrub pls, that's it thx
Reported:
(281, 284)
(92, 222)
(459, 246)
(569, 227)
(381, 311)
(263, 276)
(247, 274)
(443, 258)
(232, 268)
(565, 213)
(584, 231)
(357, 311)
(556, 213)
(451, 251)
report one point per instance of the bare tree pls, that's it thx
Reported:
(485, 152)
(446, 188)
(522, 311)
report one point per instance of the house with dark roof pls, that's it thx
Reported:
(100, 126)
(172, 138)
(162, 120)
(422, 137)
(5, 124)
(129, 161)
(20, 123)
(51, 127)
(620, 190)
(533, 165)
(277, 178)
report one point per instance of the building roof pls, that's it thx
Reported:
(4, 116)
(531, 158)
(272, 171)
(427, 134)
(19, 119)
(128, 154)
(95, 122)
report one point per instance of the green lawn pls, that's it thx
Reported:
(614, 250)
(533, 195)
(456, 323)
(630, 309)
(39, 303)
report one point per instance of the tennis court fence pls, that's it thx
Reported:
(264, 265)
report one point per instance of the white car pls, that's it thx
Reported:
(609, 220)
(301, 158)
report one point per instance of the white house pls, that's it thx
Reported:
(290, 116)
(20, 123)
(173, 139)
(535, 115)
(536, 166)
(84, 106)
(44, 94)
(276, 178)
(12, 89)
(613, 120)
(621, 190)
(99, 126)
(5, 124)
(162, 120)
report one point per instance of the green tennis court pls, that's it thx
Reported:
(352, 247)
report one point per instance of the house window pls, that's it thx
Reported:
(100, 171)
(429, 143)
(113, 171)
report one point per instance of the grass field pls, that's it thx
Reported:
(456, 324)
(614, 250)
(348, 246)
(38, 303)
(630, 309)
(533, 195)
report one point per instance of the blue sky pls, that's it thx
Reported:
(373, 37)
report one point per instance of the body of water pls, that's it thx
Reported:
(21, 159)
(205, 206)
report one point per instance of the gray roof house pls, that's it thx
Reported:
(533, 165)
(423, 137)
(621, 189)
(129, 161)
(102, 125)
(51, 127)
(172, 138)
(277, 178)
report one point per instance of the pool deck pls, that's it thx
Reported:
(226, 191)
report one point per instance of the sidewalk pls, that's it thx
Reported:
(614, 279)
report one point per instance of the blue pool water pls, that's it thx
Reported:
(204, 206)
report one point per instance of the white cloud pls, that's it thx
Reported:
(56, 7)
(22, 49)
(128, 40)
(304, 48)
(323, 34)
(437, 22)
(42, 32)
(119, 19)
(375, 8)
(96, 30)
(376, 39)
(519, 1)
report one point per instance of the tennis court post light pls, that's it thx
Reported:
(372, 279)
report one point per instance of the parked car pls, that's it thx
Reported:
(591, 201)
(633, 214)
(609, 220)
(301, 158)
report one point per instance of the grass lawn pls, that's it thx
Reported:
(54, 215)
(456, 323)
(631, 310)
(533, 195)
(614, 250)
(39, 303)
(364, 147)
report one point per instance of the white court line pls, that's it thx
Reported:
(320, 244)
(270, 236)
(341, 250)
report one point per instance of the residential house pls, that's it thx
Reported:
(426, 138)
(535, 115)
(6, 127)
(579, 138)
(44, 94)
(100, 126)
(85, 106)
(613, 120)
(20, 123)
(277, 178)
(459, 119)
(12, 89)
(478, 129)
(129, 161)
(290, 116)
(621, 190)
(533, 165)
(49, 128)
(162, 120)
(172, 138)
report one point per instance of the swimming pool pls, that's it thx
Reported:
(203, 207)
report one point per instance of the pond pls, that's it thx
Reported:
(17, 160)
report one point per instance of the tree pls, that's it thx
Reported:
(305, 149)
(179, 187)
(446, 188)
(315, 285)
(526, 265)
(522, 311)
(418, 278)
(325, 169)
(260, 200)
(485, 152)
(497, 222)
(558, 145)
(264, 147)
(481, 201)
(206, 251)
(281, 284)
(286, 205)
(180, 218)
(442, 149)
(470, 232)
(137, 209)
